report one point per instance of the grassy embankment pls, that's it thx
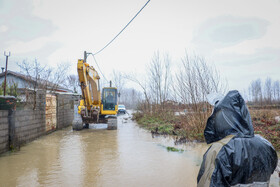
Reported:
(180, 126)
(170, 124)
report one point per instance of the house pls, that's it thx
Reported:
(25, 83)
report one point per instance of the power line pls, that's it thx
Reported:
(122, 29)
(98, 67)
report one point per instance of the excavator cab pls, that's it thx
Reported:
(109, 101)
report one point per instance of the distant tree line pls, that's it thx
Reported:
(264, 93)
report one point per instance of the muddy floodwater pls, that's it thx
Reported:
(125, 157)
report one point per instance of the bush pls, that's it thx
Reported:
(190, 126)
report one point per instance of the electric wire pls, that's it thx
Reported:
(122, 29)
(98, 67)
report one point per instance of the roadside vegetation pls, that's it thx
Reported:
(170, 125)
(184, 130)
(175, 104)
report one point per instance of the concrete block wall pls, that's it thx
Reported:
(20, 126)
(4, 131)
(65, 109)
(29, 125)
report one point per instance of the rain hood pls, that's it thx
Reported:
(230, 117)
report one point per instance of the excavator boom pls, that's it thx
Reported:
(89, 81)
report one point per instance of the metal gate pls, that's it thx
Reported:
(50, 112)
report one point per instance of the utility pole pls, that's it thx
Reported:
(86, 55)
(7, 56)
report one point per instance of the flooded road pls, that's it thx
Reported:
(128, 156)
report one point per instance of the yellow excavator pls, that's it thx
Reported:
(95, 107)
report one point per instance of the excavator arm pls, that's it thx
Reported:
(89, 80)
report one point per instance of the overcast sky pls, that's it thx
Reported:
(241, 37)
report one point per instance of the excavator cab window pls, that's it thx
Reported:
(109, 98)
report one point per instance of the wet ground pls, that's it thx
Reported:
(128, 156)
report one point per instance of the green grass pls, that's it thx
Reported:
(156, 124)
(173, 149)
(274, 127)
(166, 125)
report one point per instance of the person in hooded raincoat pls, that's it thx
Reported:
(237, 157)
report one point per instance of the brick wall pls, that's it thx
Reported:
(4, 131)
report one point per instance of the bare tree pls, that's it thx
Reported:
(276, 91)
(58, 76)
(119, 82)
(144, 86)
(103, 83)
(255, 91)
(194, 81)
(159, 78)
(131, 97)
(39, 77)
(266, 93)
(72, 83)
(268, 90)
(36, 74)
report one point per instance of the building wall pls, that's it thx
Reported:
(65, 109)
(4, 131)
(25, 124)
(13, 79)
(29, 125)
